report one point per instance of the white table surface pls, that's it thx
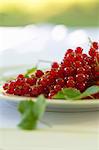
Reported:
(73, 131)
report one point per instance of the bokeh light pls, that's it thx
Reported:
(59, 32)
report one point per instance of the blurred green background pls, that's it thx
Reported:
(70, 13)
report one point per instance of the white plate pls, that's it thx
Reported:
(58, 105)
(54, 105)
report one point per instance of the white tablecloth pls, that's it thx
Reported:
(75, 131)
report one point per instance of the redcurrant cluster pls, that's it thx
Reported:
(77, 70)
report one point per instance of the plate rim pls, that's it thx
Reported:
(16, 98)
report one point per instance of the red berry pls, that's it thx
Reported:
(80, 78)
(97, 56)
(65, 79)
(80, 70)
(55, 65)
(81, 86)
(40, 89)
(95, 45)
(68, 51)
(87, 77)
(57, 88)
(96, 96)
(60, 82)
(51, 94)
(19, 82)
(68, 71)
(54, 73)
(70, 57)
(61, 73)
(12, 84)
(10, 91)
(18, 92)
(70, 78)
(70, 83)
(34, 91)
(84, 55)
(66, 63)
(31, 81)
(79, 57)
(5, 86)
(39, 73)
(87, 60)
(96, 73)
(79, 50)
(43, 82)
(92, 52)
(25, 88)
(77, 64)
(21, 76)
(87, 69)
(97, 68)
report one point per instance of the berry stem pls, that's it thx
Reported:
(43, 61)
(90, 41)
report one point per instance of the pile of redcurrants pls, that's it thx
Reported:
(77, 70)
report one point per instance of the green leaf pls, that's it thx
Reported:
(67, 93)
(30, 71)
(59, 95)
(71, 93)
(39, 107)
(24, 105)
(26, 76)
(74, 94)
(90, 91)
(31, 112)
(28, 120)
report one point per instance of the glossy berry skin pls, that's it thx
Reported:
(68, 71)
(34, 91)
(26, 89)
(39, 73)
(57, 88)
(51, 94)
(55, 65)
(60, 82)
(19, 82)
(80, 77)
(54, 73)
(81, 86)
(20, 76)
(18, 92)
(5, 86)
(87, 69)
(79, 57)
(70, 78)
(95, 45)
(70, 83)
(65, 63)
(84, 55)
(69, 51)
(96, 72)
(79, 50)
(81, 70)
(10, 91)
(92, 52)
(78, 64)
(70, 57)
(31, 81)
(61, 73)
(43, 82)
